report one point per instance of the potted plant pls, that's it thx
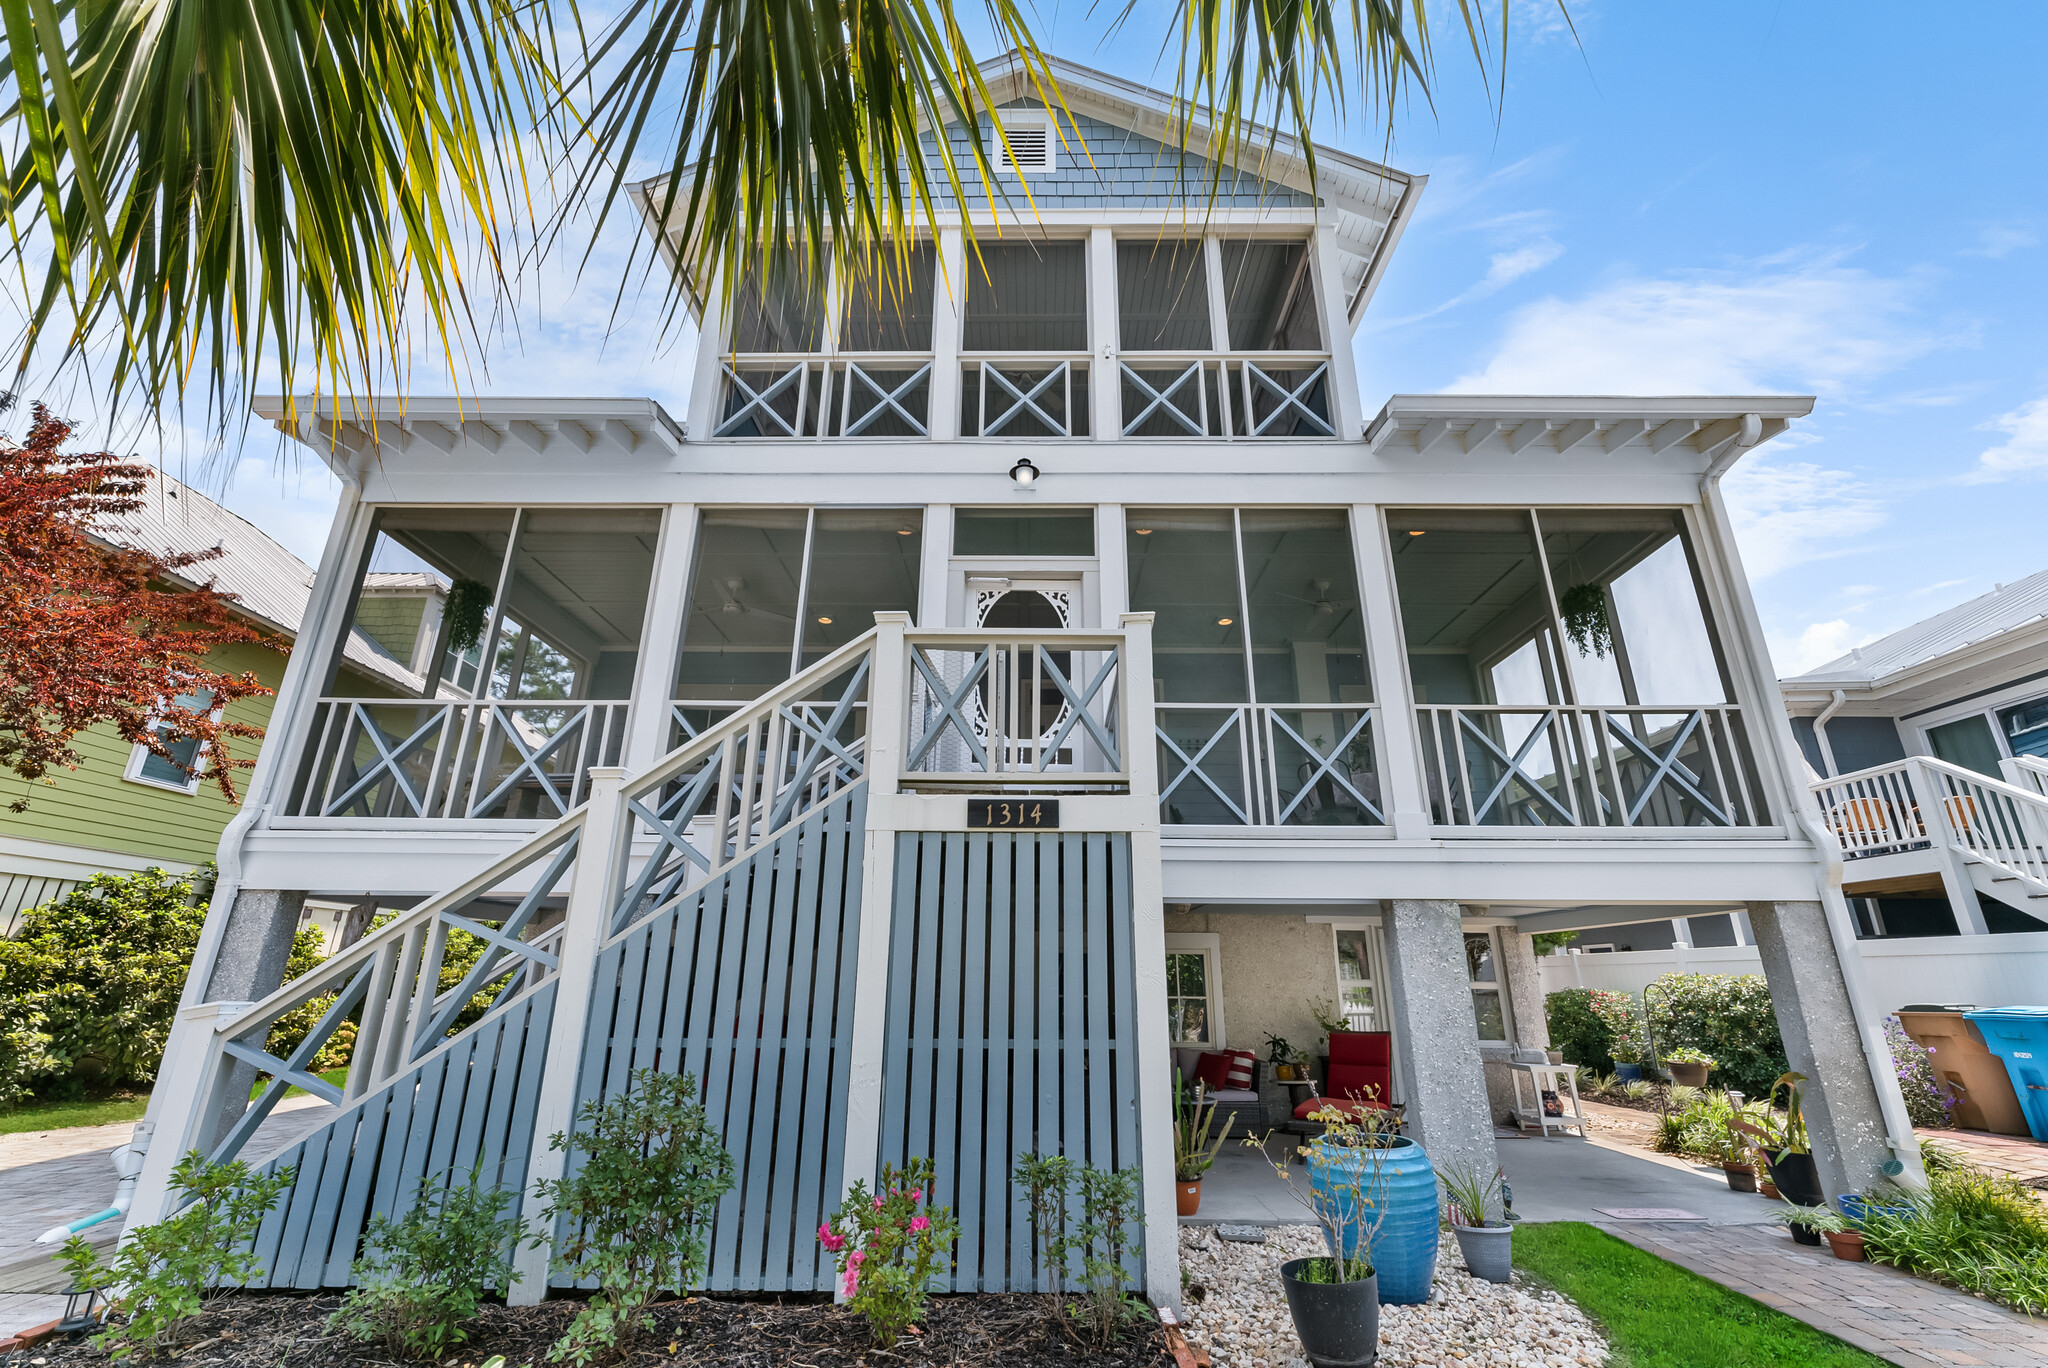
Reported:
(1628, 1061)
(1810, 1224)
(1334, 1299)
(1786, 1150)
(1192, 1152)
(1738, 1157)
(1487, 1244)
(1282, 1056)
(1687, 1066)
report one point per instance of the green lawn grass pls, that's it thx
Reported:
(1657, 1315)
(35, 1115)
(92, 1111)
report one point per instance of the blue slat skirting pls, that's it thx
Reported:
(468, 1106)
(747, 984)
(1010, 1025)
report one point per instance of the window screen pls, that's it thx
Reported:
(781, 310)
(1024, 297)
(889, 309)
(1162, 296)
(1269, 296)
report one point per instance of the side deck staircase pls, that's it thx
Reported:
(716, 914)
(1995, 830)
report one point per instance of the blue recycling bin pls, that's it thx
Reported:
(2019, 1036)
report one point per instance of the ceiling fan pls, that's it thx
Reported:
(1322, 604)
(732, 604)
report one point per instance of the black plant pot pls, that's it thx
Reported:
(1338, 1323)
(1798, 1179)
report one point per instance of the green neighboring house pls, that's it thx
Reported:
(125, 809)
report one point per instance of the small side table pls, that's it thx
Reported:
(1562, 1079)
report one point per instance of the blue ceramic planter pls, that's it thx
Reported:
(1403, 1251)
(1628, 1073)
(1856, 1208)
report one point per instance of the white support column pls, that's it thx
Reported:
(184, 1088)
(1148, 956)
(1112, 563)
(707, 386)
(869, 1032)
(934, 560)
(1105, 387)
(1345, 407)
(949, 305)
(661, 640)
(592, 891)
(1398, 746)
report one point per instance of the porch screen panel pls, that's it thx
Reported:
(1011, 1027)
(747, 986)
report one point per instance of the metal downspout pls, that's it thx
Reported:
(1820, 733)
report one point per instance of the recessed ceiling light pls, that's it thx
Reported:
(1414, 534)
(826, 621)
(1144, 531)
(1223, 622)
(905, 531)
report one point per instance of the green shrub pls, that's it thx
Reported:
(164, 1272)
(1985, 1233)
(1622, 1015)
(1576, 1030)
(890, 1244)
(637, 1207)
(1111, 1206)
(422, 1277)
(1729, 1017)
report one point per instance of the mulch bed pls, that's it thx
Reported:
(255, 1330)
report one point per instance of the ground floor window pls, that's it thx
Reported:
(1482, 968)
(1192, 1015)
(1355, 978)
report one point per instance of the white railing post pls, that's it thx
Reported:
(1148, 966)
(887, 705)
(1937, 819)
(184, 1101)
(593, 887)
(1397, 741)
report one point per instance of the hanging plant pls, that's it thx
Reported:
(469, 602)
(1584, 609)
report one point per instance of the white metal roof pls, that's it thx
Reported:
(270, 585)
(2006, 608)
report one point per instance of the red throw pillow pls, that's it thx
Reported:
(1240, 1074)
(1211, 1069)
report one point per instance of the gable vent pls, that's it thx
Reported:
(1030, 147)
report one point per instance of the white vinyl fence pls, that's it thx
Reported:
(1987, 971)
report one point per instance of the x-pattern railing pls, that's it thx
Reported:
(1673, 766)
(1154, 399)
(1023, 401)
(389, 763)
(760, 403)
(888, 399)
(1292, 399)
(1266, 770)
(1005, 706)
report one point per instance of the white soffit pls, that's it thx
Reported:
(1529, 426)
(561, 429)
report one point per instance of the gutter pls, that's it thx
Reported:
(1899, 1136)
(1820, 733)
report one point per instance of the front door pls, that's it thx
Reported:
(1019, 703)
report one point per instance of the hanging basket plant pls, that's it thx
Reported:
(1584, 609)
(469, 603)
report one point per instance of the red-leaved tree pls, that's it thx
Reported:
(91, 632)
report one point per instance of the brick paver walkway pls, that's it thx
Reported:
(2024, 1159)
(1894, 1315)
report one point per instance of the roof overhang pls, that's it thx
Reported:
(1365, 205)
(1710, 433)
(350, 437)
(2015, 652)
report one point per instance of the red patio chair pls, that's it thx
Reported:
(1361, 1075)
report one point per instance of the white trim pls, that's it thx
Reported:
(50, 860)
(1026, 122)
(138, 756)
(1209, 946)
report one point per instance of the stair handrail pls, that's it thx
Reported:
(2026, 771)
(1989, 818)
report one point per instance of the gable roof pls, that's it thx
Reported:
(2007, 608)
(271, 586)
(1366, 205)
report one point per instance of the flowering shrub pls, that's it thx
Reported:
(1622, 1015)
(1576, 1031)
(1928, 1100)
(890, 1245)
(1729, 1017)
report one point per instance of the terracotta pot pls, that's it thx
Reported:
(1187, 1197)
(1768, 1188)
(1688, 1075)
(1848, 1245)
(1741, 1177)
(1284, 1072)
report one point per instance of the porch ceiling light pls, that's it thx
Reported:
(825, 621)
(1024, 472)
(1223, 622)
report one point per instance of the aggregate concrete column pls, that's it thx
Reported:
(254, 946)
(1525, 988)
(1435, 1037)
(1843, 1116)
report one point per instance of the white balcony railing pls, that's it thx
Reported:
(1267, 395)
(1027, 395)
(870, 395)
(1534, 766)
(1920, 801)
(1267, 765)
(385, 759)
(997, 711)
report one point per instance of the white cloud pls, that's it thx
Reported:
(1812, 327)
(1999, 240)
(2025, 450)
(1787, 513)
(1503, 269)
(1819, 643)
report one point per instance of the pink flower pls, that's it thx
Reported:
(852, 1281)
(917, 1194)
(853, 1259)
(833, 1243)
(878, 1204)
(919, 1224)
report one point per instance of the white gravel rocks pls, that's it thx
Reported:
(1466, 1323)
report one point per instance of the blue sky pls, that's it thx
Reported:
(1729, 198)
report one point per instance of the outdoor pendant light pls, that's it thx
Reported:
(1024, 472)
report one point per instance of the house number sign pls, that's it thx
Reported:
(1013, 814)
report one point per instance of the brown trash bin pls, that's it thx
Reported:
(1978, 1077)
